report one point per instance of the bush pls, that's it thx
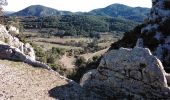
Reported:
(59, 51)
(80, 61)
(6, 40)
(129, 39)
(40, 53)
(82, 67)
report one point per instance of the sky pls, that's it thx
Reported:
(73, 5)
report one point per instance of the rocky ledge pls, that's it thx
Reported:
(12, 48)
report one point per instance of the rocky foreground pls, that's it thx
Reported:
(122, 74)
(128, 74)
(20, 81)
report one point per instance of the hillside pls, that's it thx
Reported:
(21, 81)
(136, 72)
(78, 24)
(39, 10)
(115, 10)
(119, 10)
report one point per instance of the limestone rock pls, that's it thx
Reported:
(155, 33)
(157, 30)
(28, 50)
(139, 43)
(7, 38)
(128, 74)
(12, 48)
(13, 29)
(12, 53)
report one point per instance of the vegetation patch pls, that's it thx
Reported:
(129, 39)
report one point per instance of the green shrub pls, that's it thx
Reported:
(59, 51)
(6, 40)
(80, 61)
(82, 67)
(129, 39)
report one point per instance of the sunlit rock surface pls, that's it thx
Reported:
(128, 74)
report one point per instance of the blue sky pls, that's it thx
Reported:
(73, 5)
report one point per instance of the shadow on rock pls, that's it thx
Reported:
(70, 91)
(73, 91)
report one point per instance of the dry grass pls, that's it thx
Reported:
(67, 62)
(20, 81)
(60, 40)
(91, 55)
(47, 46)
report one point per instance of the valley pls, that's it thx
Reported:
(73, 43)
(116, 52)
(62, 53)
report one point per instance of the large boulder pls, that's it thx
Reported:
(128, 74)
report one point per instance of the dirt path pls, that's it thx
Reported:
(67, 62)
(19, 81)
(91, 55)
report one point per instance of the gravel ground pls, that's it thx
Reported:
(19, 81)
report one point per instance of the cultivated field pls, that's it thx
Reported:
(72, 45)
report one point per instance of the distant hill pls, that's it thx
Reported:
(115, 10)
(79, 24)
(123, 11)
(39, 10)
(8, 12)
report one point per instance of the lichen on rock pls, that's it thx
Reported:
(128, 73)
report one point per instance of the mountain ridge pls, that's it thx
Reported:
(120, 10)
(114, 10)
(39, 10)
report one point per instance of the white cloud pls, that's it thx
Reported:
(73, 5)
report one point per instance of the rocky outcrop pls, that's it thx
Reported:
(13, 53)
(155, 32)
(7, 38)
(128, 74)
(13, 49)
(13, 30)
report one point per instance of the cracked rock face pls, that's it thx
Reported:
(128, 74)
